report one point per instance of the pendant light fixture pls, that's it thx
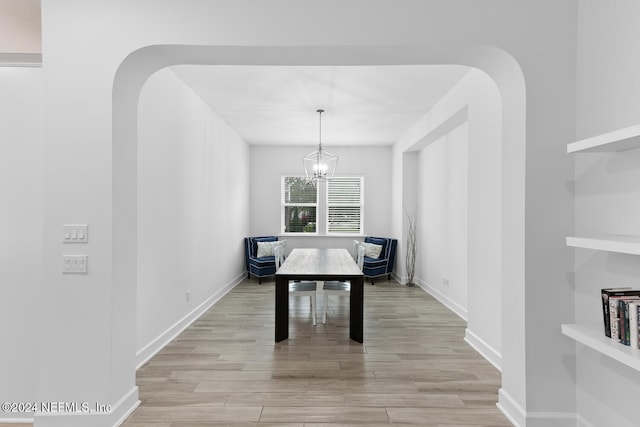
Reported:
(320, 165)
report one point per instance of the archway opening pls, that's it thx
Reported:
(141, 64)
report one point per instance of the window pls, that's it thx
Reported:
(339, 205)
(299, 205)
(344, 205)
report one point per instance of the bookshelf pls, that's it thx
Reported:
(614, 243)
(615, 141)
(595, 339)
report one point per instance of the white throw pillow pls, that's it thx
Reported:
(371, 250)
(266, 248)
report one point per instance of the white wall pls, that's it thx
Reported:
(607, 197)
(91, 87)
(193, 211)
(458, 187)
(21, 192)
(443, 212)
(268, 164)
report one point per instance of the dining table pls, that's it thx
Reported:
(319, 264)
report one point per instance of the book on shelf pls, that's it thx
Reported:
(616, 312)
(633, 323)
(608, 293)
(623, 318)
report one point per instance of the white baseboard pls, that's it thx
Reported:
(511, 409)
(150, 350)
(115, 417)
(125, 407)
(445, 300)
(521, 418)
(484, 349)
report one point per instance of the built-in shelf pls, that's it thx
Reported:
(614, 243)
(597, 340)
(617, 140)
(592, 337)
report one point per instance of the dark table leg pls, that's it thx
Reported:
(282, 308)
(356, 309)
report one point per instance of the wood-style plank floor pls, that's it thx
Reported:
(414, 369)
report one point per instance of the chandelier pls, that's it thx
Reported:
(320, 165)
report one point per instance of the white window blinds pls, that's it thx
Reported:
(345, 205)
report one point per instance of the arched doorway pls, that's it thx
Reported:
(133, 73)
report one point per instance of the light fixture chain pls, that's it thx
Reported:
(320, 130)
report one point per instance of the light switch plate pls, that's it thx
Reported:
(75, 233)
(74, 264)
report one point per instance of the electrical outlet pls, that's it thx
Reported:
(445, 283)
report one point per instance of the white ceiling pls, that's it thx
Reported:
(364, 105)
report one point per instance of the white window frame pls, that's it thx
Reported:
(284, 204)
(322, 206)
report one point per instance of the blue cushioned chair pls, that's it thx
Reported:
(376, 267)
(258, 267)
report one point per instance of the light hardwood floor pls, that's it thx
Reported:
(413, 369)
